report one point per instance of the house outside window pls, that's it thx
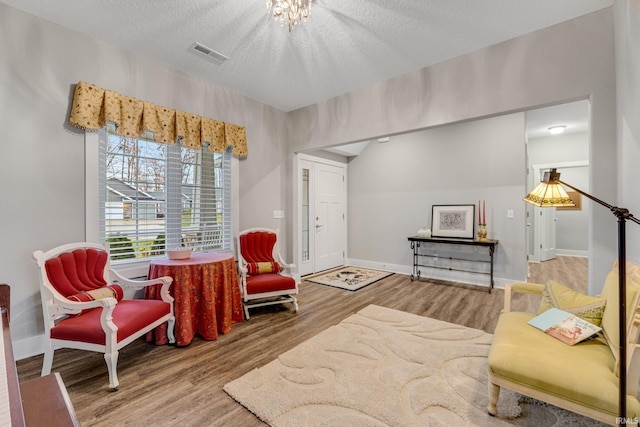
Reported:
(154, 197)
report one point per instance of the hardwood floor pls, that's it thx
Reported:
(164, 385)
(570, 271)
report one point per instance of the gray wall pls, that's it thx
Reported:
(573, 225)
(528, 72)
(42, 159)
(392, 187)
(627, 20)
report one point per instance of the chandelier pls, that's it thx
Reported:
(289, 12)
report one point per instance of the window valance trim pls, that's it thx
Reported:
(94, 106)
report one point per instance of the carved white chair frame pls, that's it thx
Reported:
(55, 307)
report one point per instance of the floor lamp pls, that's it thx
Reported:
(550, 193)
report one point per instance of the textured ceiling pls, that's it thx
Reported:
(344, 46)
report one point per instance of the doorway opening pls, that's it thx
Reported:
(555, 233)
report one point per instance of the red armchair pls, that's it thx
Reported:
(85, 309)
(265, 278)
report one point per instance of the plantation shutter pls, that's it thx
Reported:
(155, 197)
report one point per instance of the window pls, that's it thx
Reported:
(154, 197)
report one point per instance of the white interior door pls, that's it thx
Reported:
(320, 191)
(544, 239)
(544, 227)
(329, 216)
(547, 229)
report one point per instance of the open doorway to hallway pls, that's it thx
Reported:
(558, 238)
(571, 271)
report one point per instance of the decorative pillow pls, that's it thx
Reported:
(113, 291)
(584, 306)
(263, 267)
(610, 326)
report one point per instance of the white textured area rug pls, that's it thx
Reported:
(383, 367)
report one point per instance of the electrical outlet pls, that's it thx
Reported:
(278, 214)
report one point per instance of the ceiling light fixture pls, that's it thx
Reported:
(289, 12)
(555, 130)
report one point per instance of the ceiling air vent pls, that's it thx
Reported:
(211, 54)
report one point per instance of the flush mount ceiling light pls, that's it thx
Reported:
(289, 12)
(555, 130)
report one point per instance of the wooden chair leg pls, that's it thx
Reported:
(112, 362)
(494, 394)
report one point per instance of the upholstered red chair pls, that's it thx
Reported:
(85, 309)
(265, 278)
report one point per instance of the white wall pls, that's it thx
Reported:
(392, 187)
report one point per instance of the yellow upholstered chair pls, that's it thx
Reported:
(84, 308)
(581, 378)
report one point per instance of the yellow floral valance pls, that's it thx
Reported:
(93, 107)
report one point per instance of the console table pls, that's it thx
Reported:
(417, 241)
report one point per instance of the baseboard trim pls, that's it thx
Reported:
(28, 347)
(575, 253)
(451, 276)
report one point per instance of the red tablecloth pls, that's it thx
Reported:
(206, 292)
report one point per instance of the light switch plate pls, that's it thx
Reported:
(278, 214)
(509, 213)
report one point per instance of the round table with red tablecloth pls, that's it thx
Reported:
(206, 292)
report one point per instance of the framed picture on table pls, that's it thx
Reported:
(455, 221)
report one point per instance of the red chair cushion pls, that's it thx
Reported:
(257, 246)
(78, 272)
(269, 282)
(130, 316)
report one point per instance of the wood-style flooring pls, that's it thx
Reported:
(167, 386)
(570, 271)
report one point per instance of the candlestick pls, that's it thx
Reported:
(484, 211)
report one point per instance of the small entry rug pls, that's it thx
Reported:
(383, 367)
(351, 278)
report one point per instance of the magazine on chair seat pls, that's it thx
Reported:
(567, 327)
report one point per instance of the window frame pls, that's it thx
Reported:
(138, 268)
